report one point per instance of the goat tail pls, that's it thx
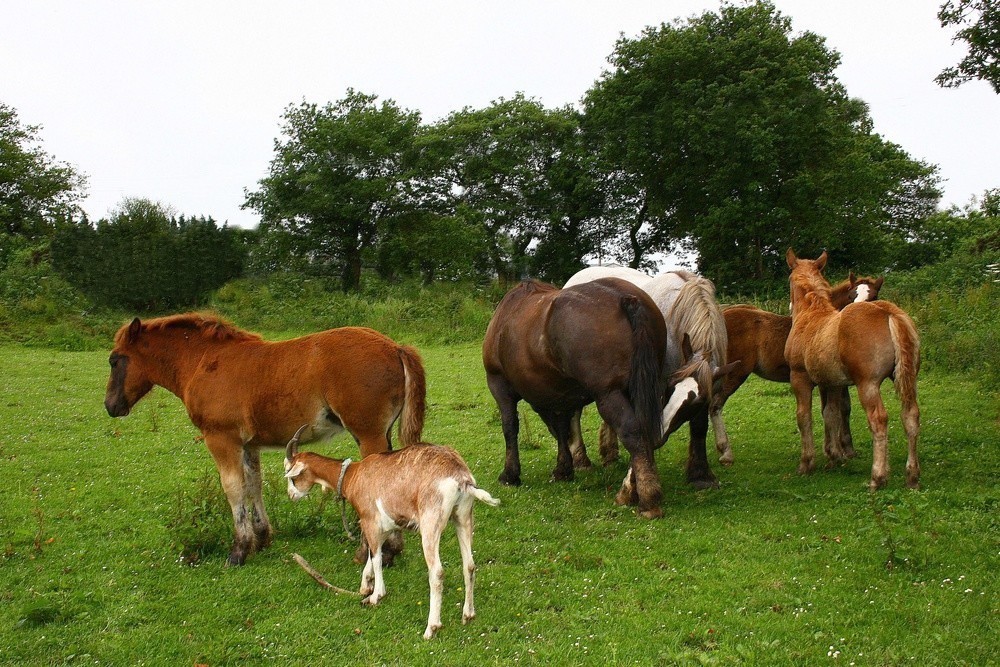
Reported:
(483, 495)
(646, 372)
(411, 420)
(906, 342)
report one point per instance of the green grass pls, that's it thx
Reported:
(769, 569)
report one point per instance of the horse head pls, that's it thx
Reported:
(806, 282)
(690, 388)
(129, 380)
(863, 289)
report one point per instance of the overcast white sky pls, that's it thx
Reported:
(180, 101)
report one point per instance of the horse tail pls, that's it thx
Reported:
(906, 342)
(411, 420)
(645, 373)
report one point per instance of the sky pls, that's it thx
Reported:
(180, 101)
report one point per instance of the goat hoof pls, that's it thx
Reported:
(466, 619)
(431, 631)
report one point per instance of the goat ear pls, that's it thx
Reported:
(295, 470)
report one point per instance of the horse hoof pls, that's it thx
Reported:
(652, 513)
(583, 464)
(509, 479)
(702, 484)
(236, 559)
(877, 484)
(560, 476)
(805, 468)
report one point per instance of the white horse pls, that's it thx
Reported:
(687, 302)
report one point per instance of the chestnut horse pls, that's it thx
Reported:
(245, 393)
(559, 350)
(757, 340)
(863, 344)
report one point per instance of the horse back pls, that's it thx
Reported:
(756, 339)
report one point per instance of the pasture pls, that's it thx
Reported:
(114, 536)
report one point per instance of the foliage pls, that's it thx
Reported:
(336, 180)
(979, 27)
(143, 258)
(36, 191)
(518, 170)
(771, 568)
(732, 135)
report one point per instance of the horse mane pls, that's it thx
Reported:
(813, 284)
(211, 327)
(696, 313)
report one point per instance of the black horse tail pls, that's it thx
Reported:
(645, 375)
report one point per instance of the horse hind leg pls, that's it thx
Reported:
(507, 401)
(642, 484)
(608, 439)
(802, 387)
(871, 399)
(699, 473)
(830, 401)
(910, 414)
(560, 426)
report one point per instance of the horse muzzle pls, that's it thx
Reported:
(117, 407)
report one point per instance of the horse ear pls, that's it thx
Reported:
(851, 278)
(134, 329)
(790, 258)
(725, 370)
(821, 261)
(877, 285)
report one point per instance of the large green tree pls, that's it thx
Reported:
(517, 170)
(36, 191)
(730, 134)
(978, 23)
(337, 179)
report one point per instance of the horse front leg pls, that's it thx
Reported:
(507, 401)
(829, 399)
(254, 493)
(719, 428)
(228, 453)
(608, 439)
(802, 387)
(846, 439)
(560, 426)
(576, 446)
(699, 474)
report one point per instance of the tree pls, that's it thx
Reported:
(514, 168)
(979, 27)
(144, 257)
(336, 179)
(36, 191)
(732, 137)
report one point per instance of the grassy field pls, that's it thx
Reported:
(114, 535)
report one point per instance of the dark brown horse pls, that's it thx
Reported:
(559, 350)
(863, 344)
(757, 340)
(245, 393)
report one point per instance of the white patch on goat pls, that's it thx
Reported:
(863, 292)
(677, 400)
(385, 523)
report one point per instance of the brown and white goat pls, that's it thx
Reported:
(420, 487)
